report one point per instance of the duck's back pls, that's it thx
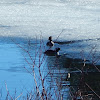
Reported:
(50, 52)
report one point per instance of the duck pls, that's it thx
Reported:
(52, 52)
(50, 42)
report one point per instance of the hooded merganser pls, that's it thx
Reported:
(52, 52)
(50, 43)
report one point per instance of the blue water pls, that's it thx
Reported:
(12, 71)
(17, 66)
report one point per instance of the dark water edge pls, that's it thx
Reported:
(15, 39)
(84, 75)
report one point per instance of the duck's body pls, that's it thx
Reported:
(52, 52)
(50, 42)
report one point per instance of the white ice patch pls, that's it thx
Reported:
(79, 19)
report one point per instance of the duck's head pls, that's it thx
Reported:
(50, 38)
(57, 49)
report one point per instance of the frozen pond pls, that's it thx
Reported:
(79, 19)
(76, 24)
